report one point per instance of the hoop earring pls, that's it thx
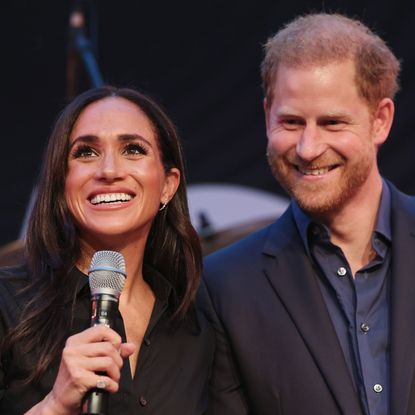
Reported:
(163, 205)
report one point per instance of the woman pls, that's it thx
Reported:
(112, 179)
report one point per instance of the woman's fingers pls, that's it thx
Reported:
(127, 349)
(104, 364)
(90, 359)
(105, 383)
(96, 334)
(100, 356)
(101, 349)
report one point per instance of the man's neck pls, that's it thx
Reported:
(351, 227)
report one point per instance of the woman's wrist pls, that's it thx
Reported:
(48, 406)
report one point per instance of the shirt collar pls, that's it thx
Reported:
(383, 224)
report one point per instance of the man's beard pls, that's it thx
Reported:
(321, 198)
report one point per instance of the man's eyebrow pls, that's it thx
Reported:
(286, 112)
(335, 116)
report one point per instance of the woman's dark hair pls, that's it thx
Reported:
(52, 243)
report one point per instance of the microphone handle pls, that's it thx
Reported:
(95, 402)
(104, 310)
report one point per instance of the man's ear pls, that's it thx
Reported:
(382, 121)
(266, 105)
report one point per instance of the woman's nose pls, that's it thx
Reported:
(110, 167)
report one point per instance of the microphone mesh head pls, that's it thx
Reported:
(107, 272)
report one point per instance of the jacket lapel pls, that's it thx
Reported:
(293, 278)
(402, 301)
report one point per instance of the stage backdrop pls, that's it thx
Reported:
(200, 60)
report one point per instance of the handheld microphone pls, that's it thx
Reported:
(106, 280)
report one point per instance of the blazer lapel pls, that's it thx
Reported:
(402, 301)
(293, 278)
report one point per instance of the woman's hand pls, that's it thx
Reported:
(97, 349)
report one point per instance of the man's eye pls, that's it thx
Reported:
(135, 149)
(83, 152)
(291, 123)
(333, 124)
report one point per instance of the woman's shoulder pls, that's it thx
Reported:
(14, 276)
(12, 280)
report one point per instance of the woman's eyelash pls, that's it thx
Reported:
(83, 151)
(134, 148)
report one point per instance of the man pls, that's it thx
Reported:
(315, 314)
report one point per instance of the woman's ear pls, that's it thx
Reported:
(171, 184)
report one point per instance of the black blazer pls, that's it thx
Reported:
(277, 350)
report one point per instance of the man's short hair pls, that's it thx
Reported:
(320, 39)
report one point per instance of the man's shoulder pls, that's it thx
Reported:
(243, 259)
(402, 206)
(254, 243)
(400, 199)
(236, 266)
(250, 245)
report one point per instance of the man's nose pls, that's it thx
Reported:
(310, 144)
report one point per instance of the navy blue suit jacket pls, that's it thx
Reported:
(277, 350)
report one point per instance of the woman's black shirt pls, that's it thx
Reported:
(173, 365)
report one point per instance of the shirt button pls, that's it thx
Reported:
(143, 401)
(147, 341)
(315, 230)
(378, 388)
(341, 271)
(364, 327)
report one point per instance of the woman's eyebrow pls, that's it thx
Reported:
(90, 138)
(87, 138)
(133, 137)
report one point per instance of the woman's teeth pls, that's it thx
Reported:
(111, 198)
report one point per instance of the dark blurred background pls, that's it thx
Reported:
(200, 60)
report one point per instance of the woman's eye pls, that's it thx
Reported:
(83, 152)
(135, 149)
